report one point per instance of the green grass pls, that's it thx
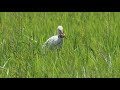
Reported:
(91, 49)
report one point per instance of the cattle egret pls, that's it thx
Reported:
(56, 41)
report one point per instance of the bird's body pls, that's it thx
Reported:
(56, 41)
(53, 42)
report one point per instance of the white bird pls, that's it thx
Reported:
(56, 41)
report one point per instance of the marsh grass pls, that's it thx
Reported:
(91, 49)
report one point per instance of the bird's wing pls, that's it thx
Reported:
(52, 41)
(48, 41)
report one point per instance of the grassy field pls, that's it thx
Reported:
(91, 49)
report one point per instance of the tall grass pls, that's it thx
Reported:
(91, 49)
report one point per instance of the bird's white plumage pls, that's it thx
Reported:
(55, 41)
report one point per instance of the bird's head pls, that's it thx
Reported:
(60, 32)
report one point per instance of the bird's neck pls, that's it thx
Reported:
(60, 36)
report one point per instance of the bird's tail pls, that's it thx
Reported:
(44, 45)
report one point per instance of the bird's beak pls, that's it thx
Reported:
(64, 35)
